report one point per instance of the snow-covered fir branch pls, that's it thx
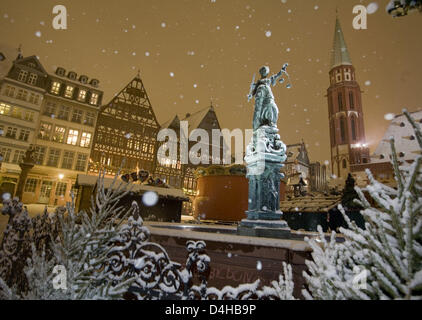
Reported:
(384, 260)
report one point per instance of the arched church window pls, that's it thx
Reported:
(343, 129)
(353, 125)
(352, 100)
(344, 164)
(340, 101)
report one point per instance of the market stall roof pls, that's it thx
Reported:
(91, 181)
(310, 204)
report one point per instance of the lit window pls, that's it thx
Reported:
(58, 135)
(55, 88)
(22, 75)
(77, 115)
(82, 95)
(72, 137)
(45, 131)
(32, 79)
(69, 92)
(85, 140)
(94, 99)
(4, 109)
(17, 113)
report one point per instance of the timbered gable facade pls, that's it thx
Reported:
(126, 129)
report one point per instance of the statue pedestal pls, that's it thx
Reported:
(264, 229)
(264, 158)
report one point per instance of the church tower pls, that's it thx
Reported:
(347, 132)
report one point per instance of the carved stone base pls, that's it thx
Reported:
(264, 229)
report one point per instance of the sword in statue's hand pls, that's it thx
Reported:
(252, 89)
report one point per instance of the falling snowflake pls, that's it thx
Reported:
(163, 24)
(259, 265)
(150, 198)
(6, 196)
(128, 135)
(389, 116)
(38, 34)
(372, 8)
(171, 74)
(367, 83)
(268, 33)
(147, 54)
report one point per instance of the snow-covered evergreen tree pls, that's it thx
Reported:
(81, 249)
(385, 260)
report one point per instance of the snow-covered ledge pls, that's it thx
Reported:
(180, 230)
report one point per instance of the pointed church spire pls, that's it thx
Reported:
(340, 54)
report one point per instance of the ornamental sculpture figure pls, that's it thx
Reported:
(265, 156)
(266, 110)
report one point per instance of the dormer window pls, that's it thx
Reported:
(55, 88)
(83, 79)
(72, 75)
(82, 95)
(69, 91)
(60, 72)
(94, 99)
(22, 75)
(94, 82)
(32, 79)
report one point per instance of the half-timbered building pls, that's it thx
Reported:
(126, 132)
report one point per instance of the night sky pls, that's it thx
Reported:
(192, 51)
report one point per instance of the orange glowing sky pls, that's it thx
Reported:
(214, 47)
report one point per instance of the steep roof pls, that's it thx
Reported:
(298, 152)
(195, 119)
(407, 146)
(132, 102)
(339, 54)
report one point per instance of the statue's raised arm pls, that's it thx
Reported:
(280, 75)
